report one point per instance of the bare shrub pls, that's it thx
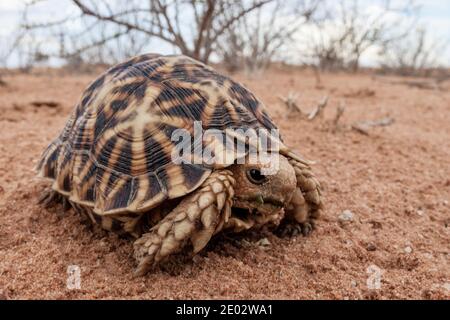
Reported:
(416, 54)
(255, 40)
(193, 27)
(249, 35)
(349, 31)
(9, 46)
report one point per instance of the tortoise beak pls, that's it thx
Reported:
(254, 211)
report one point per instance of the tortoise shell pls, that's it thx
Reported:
(114, 154)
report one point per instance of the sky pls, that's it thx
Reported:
(435, 15)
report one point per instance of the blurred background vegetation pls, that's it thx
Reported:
(249, 35)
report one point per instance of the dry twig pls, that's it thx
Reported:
(318, 111)
(49, 104)
(426, 85)
(363, 127)
(291, 102)
(339, 112)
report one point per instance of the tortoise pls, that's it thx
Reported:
(112, 161)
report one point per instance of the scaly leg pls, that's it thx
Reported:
(50, 198)
(306, 202)
(196, 219)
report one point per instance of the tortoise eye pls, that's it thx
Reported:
(255, 176)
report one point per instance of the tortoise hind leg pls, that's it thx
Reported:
(196, 219)
(50, 198)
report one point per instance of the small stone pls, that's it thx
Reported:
(420, 212)
(434, 286)
(346, 216)
(264, 242)
(376, 224)
(354, 283)
(408, 249)
(428, 256)
(371, 247)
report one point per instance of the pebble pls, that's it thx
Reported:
(264, 242)
(429, 256)
(408, 249)
(346, 216)
(371, 247)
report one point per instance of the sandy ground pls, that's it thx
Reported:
(396, 183)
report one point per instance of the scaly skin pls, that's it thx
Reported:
(306, 202)
(264, 202)
(196, 219)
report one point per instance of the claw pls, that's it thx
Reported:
(66, 204)
(48, 198)
(306, 228)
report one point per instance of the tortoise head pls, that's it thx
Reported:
(260, 198)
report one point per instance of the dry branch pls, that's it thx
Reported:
(162, 21)
(339, 112)
(291, 102)
(356, 30)
(49, 104)
(255, 40)
(363, 127)
(318, 111)
(417, 54)
(426, 85)
(318, 78)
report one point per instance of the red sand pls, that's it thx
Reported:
(396, 182)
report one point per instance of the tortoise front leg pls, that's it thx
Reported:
(196, 219)
(306, 202)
